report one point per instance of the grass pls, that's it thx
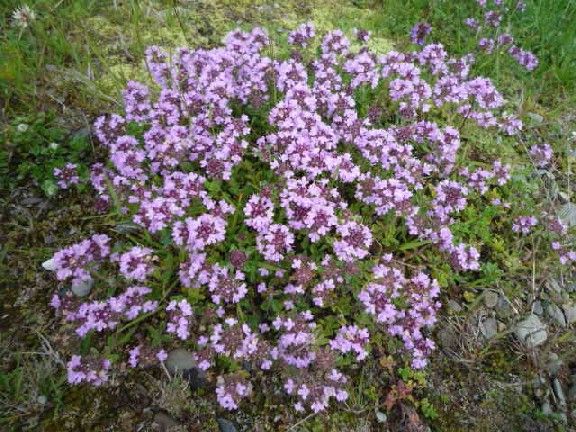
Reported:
(71, 64)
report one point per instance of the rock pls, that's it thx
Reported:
(546, 408)
(503, 308)
(489, 327)
(454, 306)
(559, 393)
(81, 288)
(447, 338)
(537, 308)
(49, 265)
(180, 360)
(381, 417)
(226, 425)
(572, 393)
(490, 299)
(556, 314)
(553, 364)
(568, 214)
(165, 421)
(569, 313)
(531, 331)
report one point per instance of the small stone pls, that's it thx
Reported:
(553, 364)
(556, 314)
(454, 306)
(42, 400)
(546, 408)
(537, 308)
(531, 331)
(49, 265)
(180, 360)
(381, 417)
(572, 393)
(503, 308)
(81, 288)
(165, 421)
(489, 327)
(490, 299)
(226, 425)
(559, 392)
(570, 313)
(568, 214)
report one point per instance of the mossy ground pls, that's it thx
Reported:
(72, 63)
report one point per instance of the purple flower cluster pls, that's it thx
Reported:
(136, 264)
(420, 292)
(230, 389)
(67, 176)
(299, 238)
(74, 261)
(492, 20)
(541, 154)
(524, 224)
(179, 318)
(419, 32)
(92, 371)
(106, 315)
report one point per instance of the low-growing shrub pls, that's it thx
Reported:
(285, 210)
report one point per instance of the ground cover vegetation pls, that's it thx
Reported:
(271, 216)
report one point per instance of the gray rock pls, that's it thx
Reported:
(559, 393)
(180, 360)
(553, 364)
(82, 288)
(570, 313)
(454, 306)
(490, 299)
(503, 308)
(572, 393)
(226, 425)
(568, 214)
(165, 421)
(381, 417)
(489, 327)
(546, 408)
(556, 314)
(531, 331)
(49, 265)
(537, 308)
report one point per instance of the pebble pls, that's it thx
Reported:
(568, 214)
(490, 299)
(553, 364)
(489, 327)
(556, 314)
(225, 425)
(531, 331)
(454, 306)
(82, 288)
(503, 308)
(164, 421)
(180, 360)
(570, 313)
(559, 392)
(49, 265)
(537, 308)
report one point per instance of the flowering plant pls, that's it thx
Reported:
(260, 189)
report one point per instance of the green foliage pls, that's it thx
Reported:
(33, 146)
